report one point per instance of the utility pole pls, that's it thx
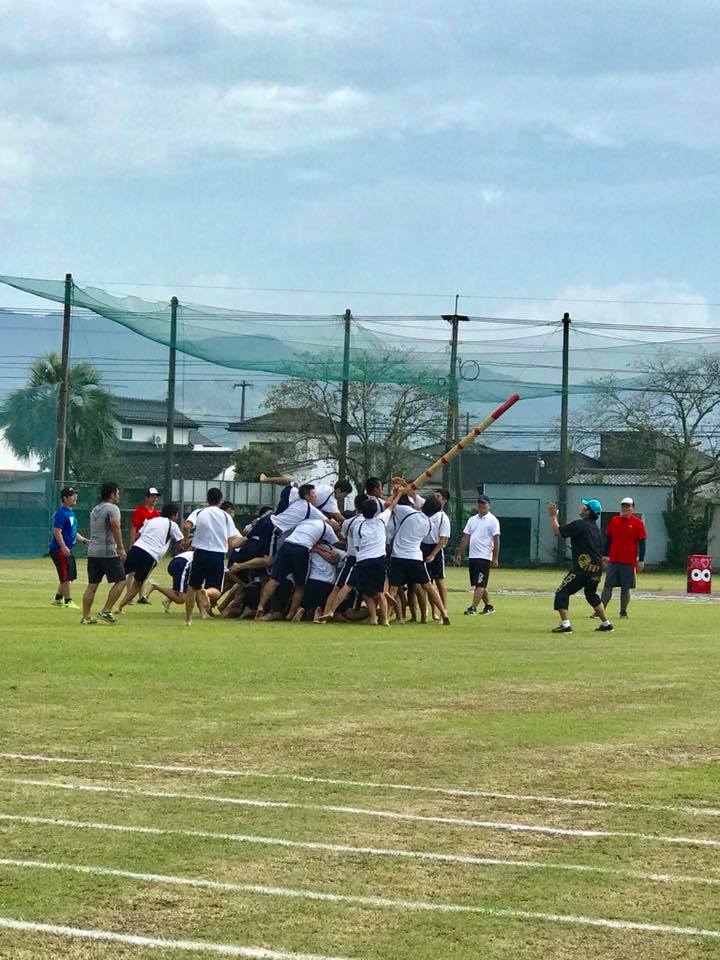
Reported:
(242, 386)
(564, 458)
(344, 402)
(451, 472)
(170, 414)
(61, 440)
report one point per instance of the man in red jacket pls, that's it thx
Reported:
(625, 539)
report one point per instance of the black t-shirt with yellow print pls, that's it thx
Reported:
(586, 543)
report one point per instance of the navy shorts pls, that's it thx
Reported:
(404, 571)
(292, 559)
(436, 567)
(208, 569)
(315, 595)
(345, 571)
(139, 563)
(368, 576)
(178, 570)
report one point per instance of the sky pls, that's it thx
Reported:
(390, 154)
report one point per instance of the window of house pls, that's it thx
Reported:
(126, 433)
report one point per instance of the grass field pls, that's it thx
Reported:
(313, 729)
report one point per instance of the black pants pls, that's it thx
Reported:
(575, 581)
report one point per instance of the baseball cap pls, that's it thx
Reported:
(593, 505)
(67, 492)
(483, 499)
(152, 490)
(627, 502)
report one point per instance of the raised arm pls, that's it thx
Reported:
(554, 522)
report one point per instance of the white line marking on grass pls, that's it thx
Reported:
(359, 811)
(458, 858)
(372, 784)
(200, 946)
(383, 903)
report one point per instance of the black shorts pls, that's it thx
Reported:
(66, 566)
(479, 571)
(178, 570)
(578, 580)
(620, 575)
(207, 569)
(436, 567)
(345, 571)
(315, 595)
(368, 576)
(110, 567)
(404, 571)
(292, 558)
(250, 550)
(139, 563)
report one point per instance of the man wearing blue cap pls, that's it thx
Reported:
(586, 543)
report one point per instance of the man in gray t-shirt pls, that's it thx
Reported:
(106, 554)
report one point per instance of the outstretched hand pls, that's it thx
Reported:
(552, 509)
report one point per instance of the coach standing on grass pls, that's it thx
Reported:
(482, 535)
(147, 510)
(106, 554)
(625, 539)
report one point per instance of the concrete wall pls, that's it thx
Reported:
(142, 433)
(530, 500)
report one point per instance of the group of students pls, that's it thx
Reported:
(305, 559)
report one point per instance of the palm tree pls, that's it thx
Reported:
(29, 416)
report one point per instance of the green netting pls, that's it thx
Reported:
(498, 356)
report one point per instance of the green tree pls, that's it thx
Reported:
(250, 462)
(29, 414)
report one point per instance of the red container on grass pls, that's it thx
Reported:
(699, 573)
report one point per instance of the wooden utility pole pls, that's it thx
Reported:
(344, 402)
(564, 450)
(62, 409)
(170, 414)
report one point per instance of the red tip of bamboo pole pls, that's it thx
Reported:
(505, 406)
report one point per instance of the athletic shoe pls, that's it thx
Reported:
(471, 611)
(488, 608)
(561, 629)
(57, 603)
(604, 628)
(71, 605)
(624, 616)
(143, 600)
(107, 617)
(87, 620)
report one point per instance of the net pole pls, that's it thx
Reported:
(62, 410)
(344, 402)
(564, 452)
(461, 445)
(170, 414)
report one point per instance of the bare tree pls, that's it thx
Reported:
(672, 417)
(386, 421)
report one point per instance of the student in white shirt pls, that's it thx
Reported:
(342, 588)
(407, 565)
(215, 534)
(179, 570)
(157, 536)
(482, 534)
(293, 559)
(322, 572)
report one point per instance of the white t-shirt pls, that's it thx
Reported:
(213, 527)
(346, 532)
(411, 526)
(320, 569)
(481, 531)
(369, 536)
(324, 497)
(298, 511)
(439, 527)
(156, 535)
(309, 532)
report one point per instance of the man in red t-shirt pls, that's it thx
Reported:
(146, 511)
(625, 539)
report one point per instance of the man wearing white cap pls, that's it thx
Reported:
(147, 510)
(625, 539)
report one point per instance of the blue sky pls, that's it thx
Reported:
(529, 148)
